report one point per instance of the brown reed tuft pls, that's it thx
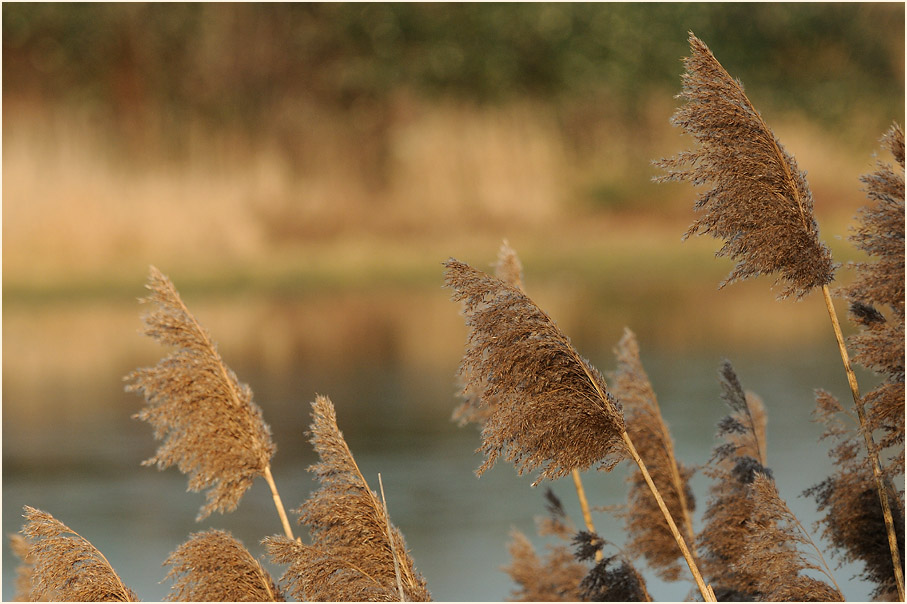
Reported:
(879, 286)
(211, 428)
(727, 518)
(613, 578)
(66, 566)
(24, 571)
(556, 578)
(552, 410)
(355, 554)
(508, 269)
(648, 532)
(751, 544)
(212, 566)
(852, 521)
(775, 545)
(758, 202)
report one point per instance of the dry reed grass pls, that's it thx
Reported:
(65, 565)
(213, 566)
(645, 525)
(211, 429)
(545, 408)
(760, 204)
(551, 409)
(355, 554)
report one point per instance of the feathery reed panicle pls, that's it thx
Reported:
(556, 578)
(508, 269)
(727, 519)
(774, 548)
(66, 566)
(758, 202)
(744, 427)
(552, 410)
(212, 431)
(355, 554)
(646, 527)
(879, 286)
(852, 521)
(24, 592)
(213, 566)
(751, 542)
(613, 578)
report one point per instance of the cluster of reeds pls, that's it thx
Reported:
(214, 433)
(545, 408)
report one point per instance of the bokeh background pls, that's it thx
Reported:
(301, 171)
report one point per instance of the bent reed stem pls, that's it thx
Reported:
(584, 506)
(870, 443)
(706, 590)
(278, 503)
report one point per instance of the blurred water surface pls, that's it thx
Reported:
(70, 447)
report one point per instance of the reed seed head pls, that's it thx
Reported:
(66, 566)
(213, 566)
(211, 429)
(548, 408)
(758, 201)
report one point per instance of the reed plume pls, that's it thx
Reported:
(508, 269)
(751, 543)
(775, 548)
(474, 408)
(727, 518)
(759, 202)
(355, 554)
(211, 428)
(66, 566)
(24, 571)
(649, 534)
(613, 578)
(213, 566)
(879, 286)
(556, 578)
(553, 411)
(852, 520)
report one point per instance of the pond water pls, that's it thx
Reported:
(70, 447)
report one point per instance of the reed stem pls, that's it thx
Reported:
(706, 590)
(870, 444)
(584, 506)
(278, 503)
(390, 539)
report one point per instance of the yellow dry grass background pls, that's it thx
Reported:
(329, 265)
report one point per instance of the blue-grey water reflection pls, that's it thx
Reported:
(84, 467)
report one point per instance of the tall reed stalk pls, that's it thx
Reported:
(761, 206)
(552, 410)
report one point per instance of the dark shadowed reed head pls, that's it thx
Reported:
(212, 431)
(549, 409)
(758, 201)
(213, 566)
(66, 566)
(355, 554)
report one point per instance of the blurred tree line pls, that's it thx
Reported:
(238, 64)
